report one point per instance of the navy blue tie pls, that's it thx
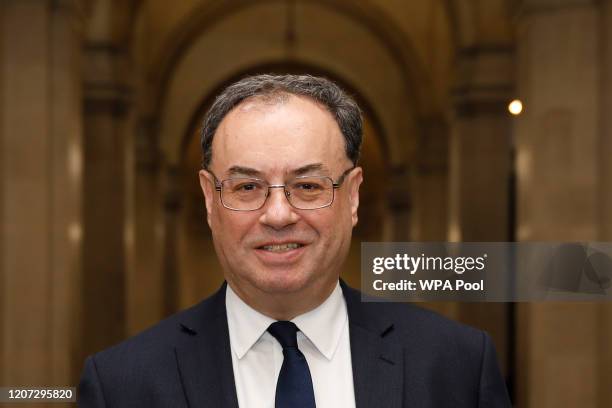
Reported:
(294, 387)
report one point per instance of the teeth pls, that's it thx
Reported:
(281, 248)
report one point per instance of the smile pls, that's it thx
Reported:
(280, 254)
(281, 247)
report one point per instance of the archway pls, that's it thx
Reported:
(386, 92)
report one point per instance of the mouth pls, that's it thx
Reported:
(280, 254)
(279, 248)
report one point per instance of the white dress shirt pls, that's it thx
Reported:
(323, 339)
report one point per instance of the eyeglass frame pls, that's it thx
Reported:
(335, 185)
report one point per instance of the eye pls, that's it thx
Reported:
(246, 187)
(308, 186)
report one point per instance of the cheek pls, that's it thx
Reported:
(331, 227)
(342, 218)
(343, 226)
(229, 227)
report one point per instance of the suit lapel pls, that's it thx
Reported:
(376, 357)
(205, 362)
(204, 355)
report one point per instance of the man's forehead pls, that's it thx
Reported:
(286, 136)
(296, 106)
(311, 168)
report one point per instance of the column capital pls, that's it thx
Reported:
(76, 8)
(104, 88)
(485, 79)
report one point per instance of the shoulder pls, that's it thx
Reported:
(155, 345)
(415, 322)
(454, 354)
(435, 352)
(150, 341)
(414, 326)
(144, 369)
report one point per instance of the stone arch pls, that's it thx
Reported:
(348, 39)
(209, 13)
(401, 85)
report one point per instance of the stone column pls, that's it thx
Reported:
(557, 166)
(170, 271)
(431, 182)
(480, 147)
(430, 214)
(399, 203)
(40, 180)
(480, 169)
(145, 282)
(107, 235)
(605, 192)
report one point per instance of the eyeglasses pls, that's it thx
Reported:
(303, 193)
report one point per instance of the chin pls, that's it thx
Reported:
(283, 282)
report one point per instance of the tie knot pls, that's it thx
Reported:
(285, 332)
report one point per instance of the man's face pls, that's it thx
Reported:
(276, 142)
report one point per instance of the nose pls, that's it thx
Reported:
(278, 213)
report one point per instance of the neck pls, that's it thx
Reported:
(284, 306)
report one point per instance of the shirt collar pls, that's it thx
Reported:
(245, 324)
(323, 325)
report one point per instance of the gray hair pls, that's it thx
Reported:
(275, 88)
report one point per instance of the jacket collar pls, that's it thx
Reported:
(203, 355)
(376, 354)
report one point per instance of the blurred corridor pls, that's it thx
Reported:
(102, 225)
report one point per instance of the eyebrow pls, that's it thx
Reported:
(300, 171)
(243, 171)
(310, 168)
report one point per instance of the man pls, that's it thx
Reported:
(281, 188)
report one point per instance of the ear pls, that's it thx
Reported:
(207, 184)
(356, 178)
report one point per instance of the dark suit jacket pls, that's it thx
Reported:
(402, 356)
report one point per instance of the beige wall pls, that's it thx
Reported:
(557, 140)
(41, 191)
